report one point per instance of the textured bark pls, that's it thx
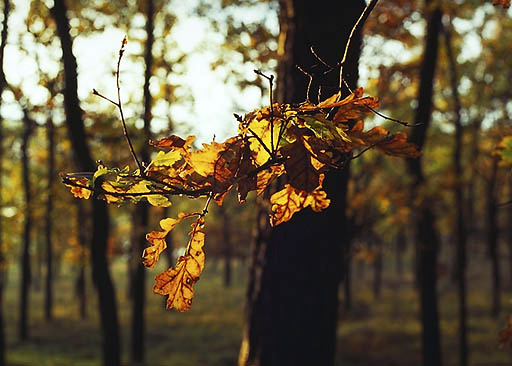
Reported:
(27, 226)
(460, 225)
(427, 238)
(100, 227)
(297, 266)
(3, 273)
(48, 303)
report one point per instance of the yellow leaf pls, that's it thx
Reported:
(152, 253)
(177, 282)
(290, 200)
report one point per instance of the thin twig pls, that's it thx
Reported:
(364, 15)
(313, 52)
(309, 83)
(119, 106)
(406, 124)
(261, 142)
(270, 81)
(201, 215)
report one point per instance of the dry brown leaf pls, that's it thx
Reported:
(177, 282)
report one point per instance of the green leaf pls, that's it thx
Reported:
(159, 200)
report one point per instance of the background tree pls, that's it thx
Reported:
(100, 227)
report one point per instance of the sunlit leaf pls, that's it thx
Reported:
(152, 253)
(177, 282)
(290, 200)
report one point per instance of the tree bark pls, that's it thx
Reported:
(3, 272)
(25, 255)
(100, 227)
(48, 304)
(297, 266)
(460, 225)
(427, 239)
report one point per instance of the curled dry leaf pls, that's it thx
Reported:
(177, 282)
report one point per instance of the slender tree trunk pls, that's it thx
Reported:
(3, 272)
(427, 239)
(48, 304)
(460, 226)
(100, 227)
(492, 240)
(80, 284)
(227, 247)
(142, 210)
(377, 274)
(25, 256)
(297, 266)
(509, 232)
(400, 244)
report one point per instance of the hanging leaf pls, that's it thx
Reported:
(152, 253)
(177, 282)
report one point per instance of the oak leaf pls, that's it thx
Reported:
(290, 200)
(177, 282)
(301, 166)
(152, 253)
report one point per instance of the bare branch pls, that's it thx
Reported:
(364, 15)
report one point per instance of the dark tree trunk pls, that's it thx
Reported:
(427, 239)
(48, 304)
(401, 242)
(347, 281)
(25, 254)
(80, 284)
(100, 228)
(460, 225)
(227, 247)
(377, 274)
(492, 240)
(3, 273)
(142, 210)
(297, 266)
(509, 232)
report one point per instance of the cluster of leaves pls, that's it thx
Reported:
(299, 144)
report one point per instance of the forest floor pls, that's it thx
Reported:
(375, 332)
